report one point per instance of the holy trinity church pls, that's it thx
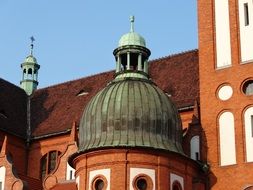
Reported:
(181, 122)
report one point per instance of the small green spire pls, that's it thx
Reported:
(30, 69)
(132, 24)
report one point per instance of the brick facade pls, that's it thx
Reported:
(120, 161)
(236, 176)
(191, 79)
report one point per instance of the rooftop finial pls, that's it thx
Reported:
(32, 40)
(132, 23)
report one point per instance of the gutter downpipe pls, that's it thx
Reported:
(28, 132)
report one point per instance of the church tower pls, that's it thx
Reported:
(226, 90)
(30, 69)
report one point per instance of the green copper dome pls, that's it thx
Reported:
(30, 59)
(132, 38)
(130, 112)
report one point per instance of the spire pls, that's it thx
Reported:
(30, 69)
(131, 23)
(32, 40)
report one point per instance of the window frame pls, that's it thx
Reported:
(96, 178)
(141, 177)
(176, 184)
(246, 14)
(46, 161)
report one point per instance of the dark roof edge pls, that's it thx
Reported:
(12, 133)
(14, 85)
(186, 108)
(51, 135)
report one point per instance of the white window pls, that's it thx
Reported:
(142, 172)
(195, 152)
(227, 139)
(106, 173)
(248, 122)
(2, 177)
(246, 14)
(70, 174)
(176, 182)
(222, 26)
(78, 182)
(246, 29)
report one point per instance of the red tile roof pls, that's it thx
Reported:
(178, 75)
(53, 109)
(13, 101)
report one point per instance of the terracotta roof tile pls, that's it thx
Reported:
(178, 76)
(12, 109)
(53, 109)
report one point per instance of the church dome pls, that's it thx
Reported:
(132, 38)
(30, 59)
(131, 112)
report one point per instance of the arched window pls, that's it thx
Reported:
(249, 188)
(248, 127)
(227, 139)
(195, 152)
(176, 186)
(30, 73)
(2, 176)
(176, 182)
(48, 162)
(70, 173)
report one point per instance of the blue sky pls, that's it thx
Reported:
(76, 38)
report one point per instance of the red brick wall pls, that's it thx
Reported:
(120, 161)
(236, 176)
(186, 118)
(40, 147)
(16, 147)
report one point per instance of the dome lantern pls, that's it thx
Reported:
(30, 69)
(131, 54)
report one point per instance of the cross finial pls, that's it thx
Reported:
(132, 23)
(32, 40)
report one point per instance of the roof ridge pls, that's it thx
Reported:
(174, 55)
(12, 84)
(101, 73)
(73, 80)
